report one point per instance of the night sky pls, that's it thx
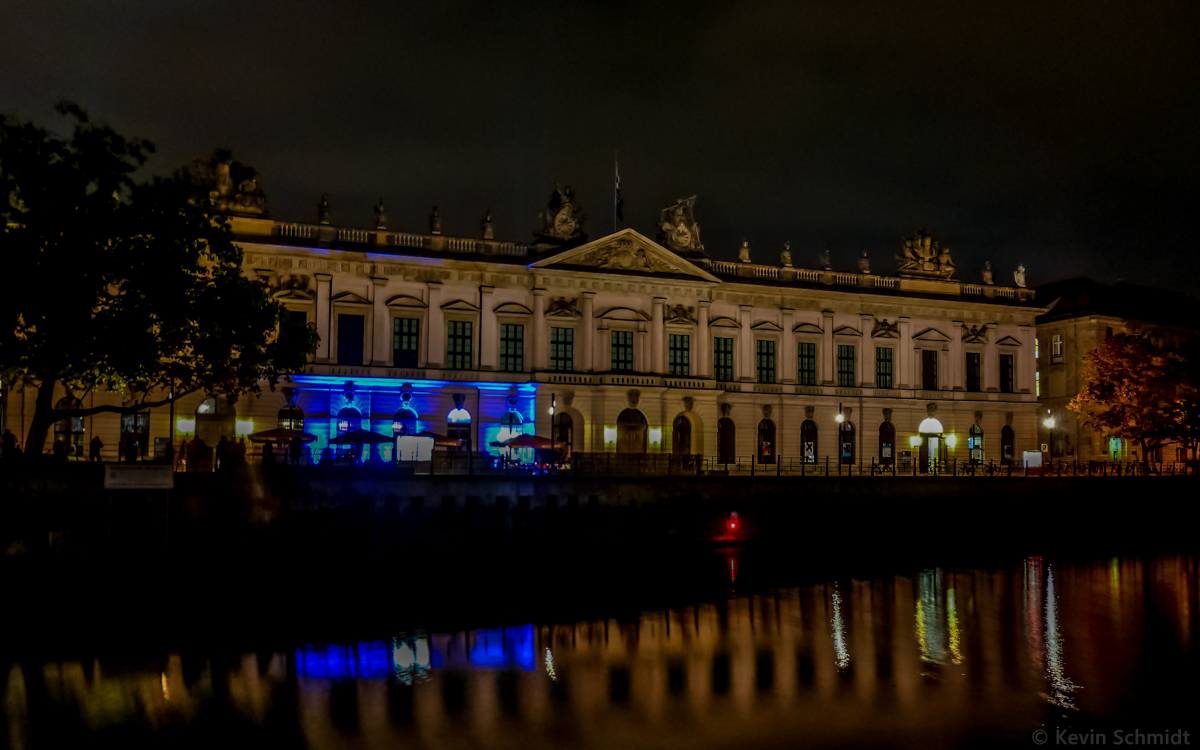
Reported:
(1062, 135)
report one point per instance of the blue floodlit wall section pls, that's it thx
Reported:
(378, 399)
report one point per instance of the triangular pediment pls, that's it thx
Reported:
(806, 328)
(1008, 341)
(846, 331)
(460, 305)
(350, 298)
(765, 325)
(931, 334)
(626, 252)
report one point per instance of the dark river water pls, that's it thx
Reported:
(1098, 652)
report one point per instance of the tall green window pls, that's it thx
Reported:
(845, 363)
(679, 354)
(622, 351)
(973, 370)
(458, 345)
(807, 367)
(723, 359)
(512, 348)
(562, 349)
(765, 350)
(883, 367)
(406, 341)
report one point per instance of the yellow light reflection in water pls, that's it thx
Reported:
(839, 634)
(550, 666)
(952, 618)
(921, 631)
(165, 688)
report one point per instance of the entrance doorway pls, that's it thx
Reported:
(631, 432)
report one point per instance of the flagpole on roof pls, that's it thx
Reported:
(616, 191)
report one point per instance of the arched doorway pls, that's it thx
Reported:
(458, 427)
(215, 418)
(808, 441)
(766, 442)
(887, 443)
(846, 442)
(933, 448)
(349, 419)
(563, 433)
(404, 422)
(1008, 444)
(631, 432)
(726, 441)
(681, 436)
(975, 444)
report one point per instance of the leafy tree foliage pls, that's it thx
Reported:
(117, 284)
(1140, 392)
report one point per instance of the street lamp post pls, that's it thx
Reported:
(553, 403)
(840, 418)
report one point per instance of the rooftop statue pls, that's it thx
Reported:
(922, 257)
(381, 215)
(435, 222)
(1019, 276)
(233, 186)
(489, 232)
(864, 263)
(824, 260)
(785, 258)
(562, 220)
(987, 272)
(323, 210)
(744, 252)
(678, 230)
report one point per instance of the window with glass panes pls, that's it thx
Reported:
(1006, 373)
(679, 354)
(765, 350)
(723, 359)
(845, 363)
(458, 345)
(973, 371)
(806, 371)
(562, 348)
(622, 351)
(406, 340)
(512, 347)
(883, 367)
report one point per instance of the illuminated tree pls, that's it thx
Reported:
(1136, 391)
(135, 287)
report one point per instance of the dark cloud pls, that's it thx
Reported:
(1058, 134)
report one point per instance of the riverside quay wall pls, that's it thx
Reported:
(311, 513)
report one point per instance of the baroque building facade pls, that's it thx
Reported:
(640, 345)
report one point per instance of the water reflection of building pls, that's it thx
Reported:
(800, 663)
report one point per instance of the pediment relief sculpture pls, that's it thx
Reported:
(292, 286)
(677, 228)
(623, 255)
(975, 334)
(922, 257)
(563, 308)
(680, 314)
(886, 330)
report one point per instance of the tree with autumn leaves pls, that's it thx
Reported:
(1143, 393)
(122, 285)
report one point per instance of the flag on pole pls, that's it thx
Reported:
(619, 202)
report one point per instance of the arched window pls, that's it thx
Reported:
(1008, 444)
(846, 442)
(726, 441)
(69, 431)
(215, 418)
(458, 427)
(887, 443)
(631, 432)
(511, 425)
(808, 441)
(975, 444)
(348, 420)
(766, 442)
(291, 417)
(404, 422)
(681, 436)
(564, 429)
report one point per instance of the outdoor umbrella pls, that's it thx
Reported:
(360, 437)
(439, 440)
(527, 441)
(281, 435)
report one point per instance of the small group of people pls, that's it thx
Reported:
(195, 455)
(294, 455)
